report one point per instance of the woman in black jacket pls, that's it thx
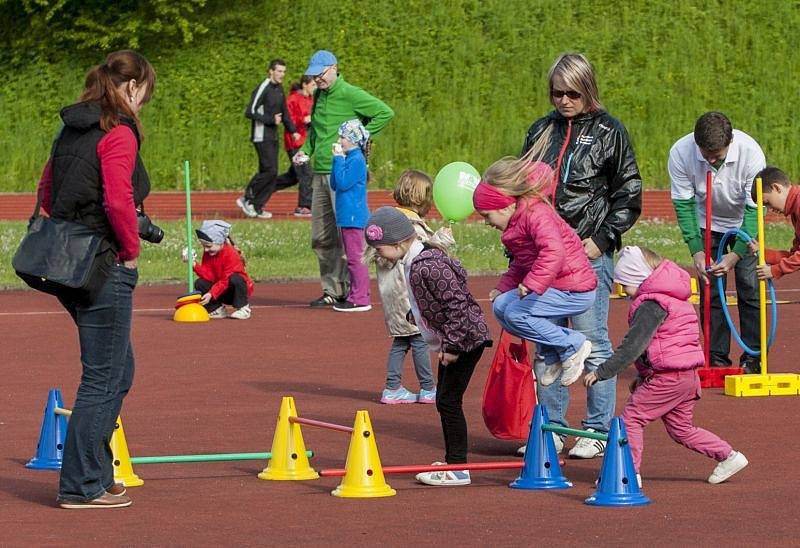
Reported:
(95, 177)
(598, 192)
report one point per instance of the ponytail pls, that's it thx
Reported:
(103, 81)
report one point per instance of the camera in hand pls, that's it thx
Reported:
(148, 231)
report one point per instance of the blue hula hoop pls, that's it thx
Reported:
(723, 300)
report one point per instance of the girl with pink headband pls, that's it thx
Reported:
(549, 277)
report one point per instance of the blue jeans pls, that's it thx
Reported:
(601, 396)
(535, 318)
(422, 361)
(104, 330)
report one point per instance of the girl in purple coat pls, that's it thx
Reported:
(549, 277)
(449, 319)
(664, 342)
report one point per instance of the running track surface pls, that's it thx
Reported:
(216, 387)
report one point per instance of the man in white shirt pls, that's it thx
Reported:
(733, 158)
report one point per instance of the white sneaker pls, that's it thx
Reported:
(246, 207)
(219, 313)
(445, 477)
(573, 366)
(263, 215)
(241, 313)
(550, 374)
(728, 467)
(588, 448)
(557, 441)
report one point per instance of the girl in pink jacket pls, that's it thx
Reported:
(664, 342)
(549, 278)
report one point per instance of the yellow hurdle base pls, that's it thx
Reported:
(776, 384)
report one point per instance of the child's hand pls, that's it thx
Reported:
(590, 378)
(635, 384)
(300, 158)
(523, 291)
(764, 272)
(337, 149)
(205, 299)
(494, 293)
(446, 358)
(185, 255)
(444, 236)
(753, 246)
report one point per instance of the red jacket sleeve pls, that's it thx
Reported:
(117, 154)
(44, 191)
(219, 269)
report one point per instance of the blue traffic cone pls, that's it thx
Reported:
(618, 485)
(541, 469)
(50, 450)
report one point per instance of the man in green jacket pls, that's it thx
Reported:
(336, 101)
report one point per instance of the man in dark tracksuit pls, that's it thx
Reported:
(266, 109)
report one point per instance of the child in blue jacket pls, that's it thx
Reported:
(349, 182)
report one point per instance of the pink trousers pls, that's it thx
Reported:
(670, 396)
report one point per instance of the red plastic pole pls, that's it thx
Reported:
(320, 424)
(707, 293)
(417, 468)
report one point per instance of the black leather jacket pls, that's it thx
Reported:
(599, 191)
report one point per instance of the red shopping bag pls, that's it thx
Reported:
(509, 396)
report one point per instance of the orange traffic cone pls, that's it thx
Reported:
(363, 476)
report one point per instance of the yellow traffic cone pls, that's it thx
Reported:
(363, 476)
(123, 470)
(289, 460)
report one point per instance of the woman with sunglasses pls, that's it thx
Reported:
(598, 192)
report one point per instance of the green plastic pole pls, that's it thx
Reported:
(188, 185)
(205, 458)
(574, 432)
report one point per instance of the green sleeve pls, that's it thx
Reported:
(376, 111)
(749, 225)
(686, 212)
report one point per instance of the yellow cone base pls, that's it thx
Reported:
(191, 313)
(363, 471)
(123, 470)
(775, 384)
(289, 460)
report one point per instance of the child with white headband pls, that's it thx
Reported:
(664, 342)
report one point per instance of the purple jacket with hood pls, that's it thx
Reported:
(676, 344)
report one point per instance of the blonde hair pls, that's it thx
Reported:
(652, 258)
(578, 74)
(510, 176)
(414, 190)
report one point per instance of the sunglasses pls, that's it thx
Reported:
(322, 74)
(558, 94)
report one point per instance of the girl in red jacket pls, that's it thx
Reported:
(549, 277)
(221, 276)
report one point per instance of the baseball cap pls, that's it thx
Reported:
(321, 60)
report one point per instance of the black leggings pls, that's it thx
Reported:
(235, 295)
(453, 380)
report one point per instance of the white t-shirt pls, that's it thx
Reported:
(731, 183)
